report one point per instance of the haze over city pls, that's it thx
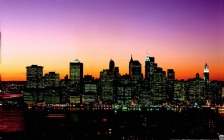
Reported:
(181, 34)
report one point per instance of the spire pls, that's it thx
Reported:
(147, 57)
(206, 69)
(131, 59)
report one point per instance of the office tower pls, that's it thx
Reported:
(170, 83)
(195, 90)
(135, 71)
(130, 66)
(76, 76)
(51, 79)
(152, 65)
(206, 74)
(124, 91)
(109, 79)
(147, 68)
(90, 90)
(51, 83)
(34, 75)
(158, 86)
(76, 71)
(34, 89)
(179, 91)
(111, 65)
(107, 86)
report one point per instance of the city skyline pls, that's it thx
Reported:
(181, 35)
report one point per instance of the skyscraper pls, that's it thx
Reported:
(170, 83)
(76, 71)
(76, 76)
(147, 67)
(206, 74)
(34, 88)
(135, 68)
(51, 79)
(34, 75)
(130, 66)
(111, 65)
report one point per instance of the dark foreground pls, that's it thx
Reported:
(189, 124)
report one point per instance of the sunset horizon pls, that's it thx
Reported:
(181, 35)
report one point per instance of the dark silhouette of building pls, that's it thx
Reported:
(34, 92)
(108, 83)
(159, 85)
(34, 74)
(76, 76)
(124, 91)
(147, 68)
(111, 66)
(206, 74)
(52, 90)
(170, 83)
(135, 71)
(195, 90)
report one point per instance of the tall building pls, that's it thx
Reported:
(130, 66)
(111, 65)
(107, 86)
(136, 76)
(109, 79)
(206, 74)
(158, 85)
(76, 76)
(124, 91)
(135, 70)
(170, 83)
(147, 68)
(51, 79)
(195, 90)
(34, 89)
(76, 71)
(34, 74)
(152, 68)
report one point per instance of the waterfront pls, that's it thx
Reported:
(162, 124)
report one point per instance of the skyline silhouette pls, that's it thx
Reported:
(182, 35)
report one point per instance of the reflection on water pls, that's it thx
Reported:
(11, 121)
(33, 125)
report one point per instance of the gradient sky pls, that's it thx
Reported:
(180, 34)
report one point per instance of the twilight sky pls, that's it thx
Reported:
(180, 34)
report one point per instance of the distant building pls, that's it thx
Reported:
(195, 89)
(206, 74)
(135, 73)
(90, 90)
(76, 76)
(170, 83)
(107, 86)
(124, 91)
(34, 74)
(206, 79)
(51, 79)
(179, 91)
(135, 70)
(76, 71)
(51, 83)
(34, 92)
(111, 65)
(147, 68)
(108, 83)
(159, 95)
